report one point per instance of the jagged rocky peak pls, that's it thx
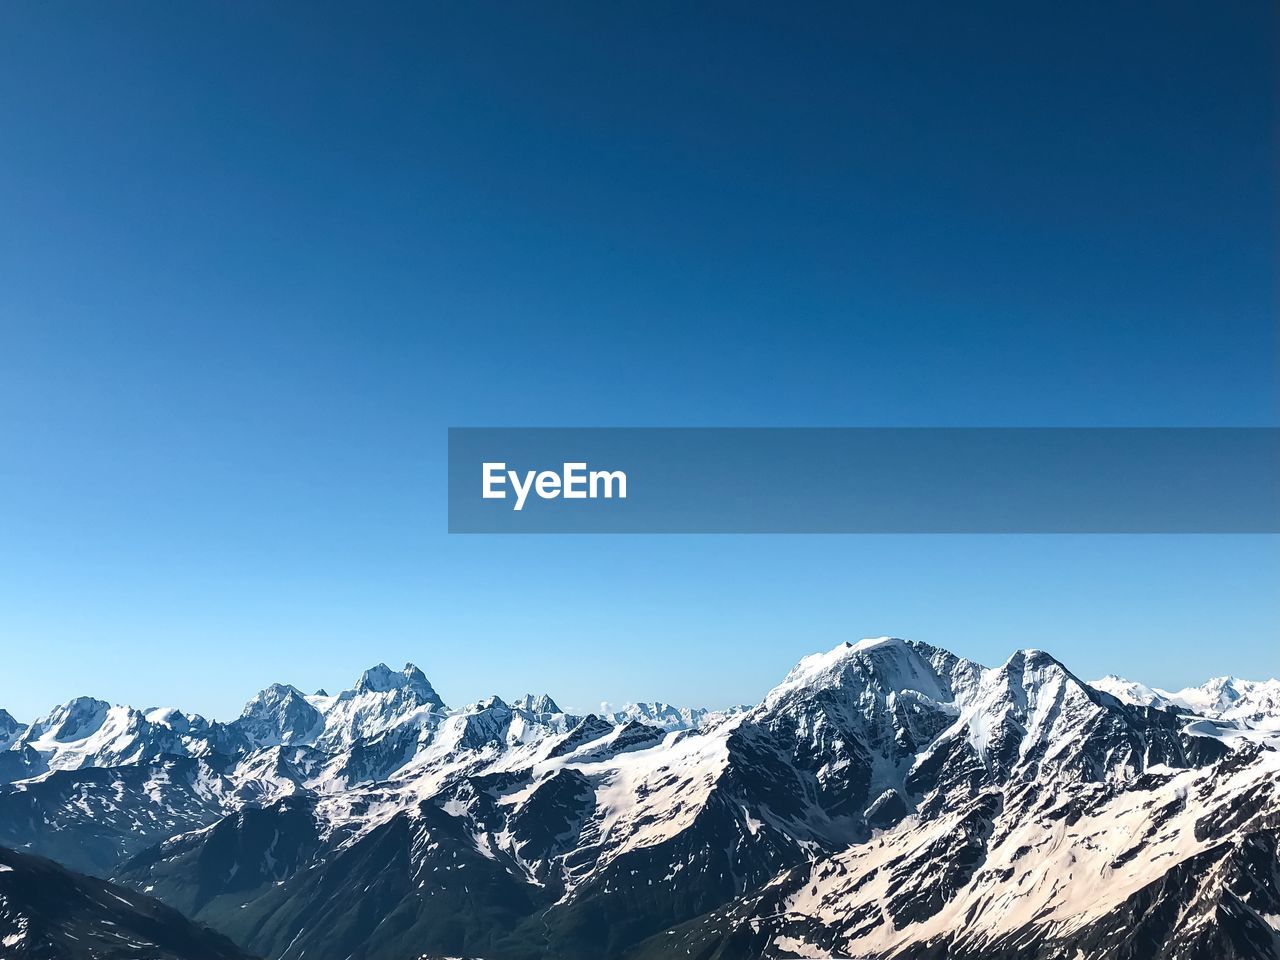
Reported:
(536, 703)
(1253, 703)
(489, 704)
(1032, 717)
(1222, 692)
(279, 714)
(276, 695)
(177, 721)
(382, 679)
(1033, 685)
(74, 720)
(656, 713)
(10, 729)
(1034, 668)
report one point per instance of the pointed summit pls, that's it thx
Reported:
(886, 664)
(377, 679)
(536, 703)
(10, 729)
(76, 719)
(382, 679)
(280, 714)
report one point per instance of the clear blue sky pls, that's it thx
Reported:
(255, 261)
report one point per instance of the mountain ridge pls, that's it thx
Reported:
(378, 822)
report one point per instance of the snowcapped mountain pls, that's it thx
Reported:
(279, 715)
(664, 715)
(85, 732)
(92, 733)
(1183, 864)
(382, 700)
(887, 798)
(10, 729)
(1130, 692)
(1252, 703)
(1255, 703)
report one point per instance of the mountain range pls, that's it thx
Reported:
(886, 799)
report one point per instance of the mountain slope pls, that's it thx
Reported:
(50, 913)
(91, 819)
(1181, 864)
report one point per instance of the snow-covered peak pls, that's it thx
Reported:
(1032, 674)
(655, 713)
(888, 664)
(382, 679)
(1032, 713)
(186, 724)
(1253, 703)
(266, 775)
(74, 720)
(274, 694)
(536, 704)
(1215, 696)
(381, 701)
(10, 729)
(1129, 691)
(536, 717)
(85, 732)
(280, 714)
(817, 666)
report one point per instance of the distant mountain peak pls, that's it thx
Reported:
(382, 679)
(279, 714)
(1128, 691)
(536, 703)
(10, 729)
(890, 663)
(275, 692)
(1036, 660)
(1254, 703)
(656, 713)
(76, 719)
(378, 679)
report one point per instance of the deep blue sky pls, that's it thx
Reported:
(255, 261)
